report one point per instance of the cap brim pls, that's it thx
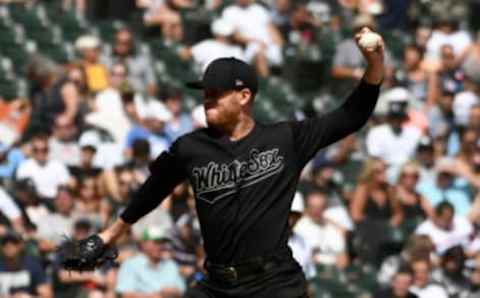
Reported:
(195, 85)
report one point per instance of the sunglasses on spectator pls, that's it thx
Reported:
(40, 149)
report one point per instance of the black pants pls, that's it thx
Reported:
(284, 281)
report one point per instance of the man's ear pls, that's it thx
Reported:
(246, 97)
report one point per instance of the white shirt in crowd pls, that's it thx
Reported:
(46, 178)
(459, 234)
(8, 206)
(66, 152)
(394, 149)
(208, 50)
(459, 40)
(429, 291)
(302, 253)
(326, 240)
(253, 22)
(462, 103)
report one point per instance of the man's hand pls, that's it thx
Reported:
(375, 56)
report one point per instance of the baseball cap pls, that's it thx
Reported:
(227, 74)
(222, 27)
(155, 233)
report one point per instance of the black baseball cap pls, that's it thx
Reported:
(227, 74)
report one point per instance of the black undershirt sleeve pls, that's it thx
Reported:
(310, 135)
(166, 173)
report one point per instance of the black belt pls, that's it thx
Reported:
(247, 268)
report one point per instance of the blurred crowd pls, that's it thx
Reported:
(391, 211)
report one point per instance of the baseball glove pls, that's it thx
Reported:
(86, 254)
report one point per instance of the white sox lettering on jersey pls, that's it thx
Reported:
(216, 181)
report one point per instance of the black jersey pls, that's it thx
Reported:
(244, 188)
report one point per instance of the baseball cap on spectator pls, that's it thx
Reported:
(87, 42)
(156, 233)
(155, 110)
(89, 140)
(298, 204)
(227, 74)
(222, 27)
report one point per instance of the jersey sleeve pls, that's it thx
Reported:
(312, 134)
(166, 172)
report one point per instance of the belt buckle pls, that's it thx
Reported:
(232, 271)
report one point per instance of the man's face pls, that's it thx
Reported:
(401, 283)
(91, 55)
(222, 108)
(316, 204)
(174, 105)
(123, 43)
(64, 129)
(445, 102)
(157, 250)
(11, 249)
(421, 273)
(412, 57)
(444, 220)
(244, 2)
(40, 150)
(118, 75)
(63, 202)
(474, 117)
(448, 57)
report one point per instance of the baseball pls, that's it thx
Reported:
(369, 40)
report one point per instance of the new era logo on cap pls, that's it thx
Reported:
(238, 83)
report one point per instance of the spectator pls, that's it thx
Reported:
(414, 207)
(86, 167)
(140, 71)
(423, 286)
(166, 15)
(89, 203)
(451, 275)
(413, 76)
(374, 210)
(301, 250)
(465, 100)
(151, 128)
(400, 286)
(181, 122)
(254, 29)
(440, 116)
(450, 77)
(21, 275)
(394, 142)
(417, 246)
(47, 174)
(221, 45)
(10, 159)
(63, 143)
(96, 73)
(447, 32)
(110, 111)
(10, 213)
(445, 229)
(425, 156)
(326, 239)
(446, 187)
(152, 272)
(52, 227)
(474, 278)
